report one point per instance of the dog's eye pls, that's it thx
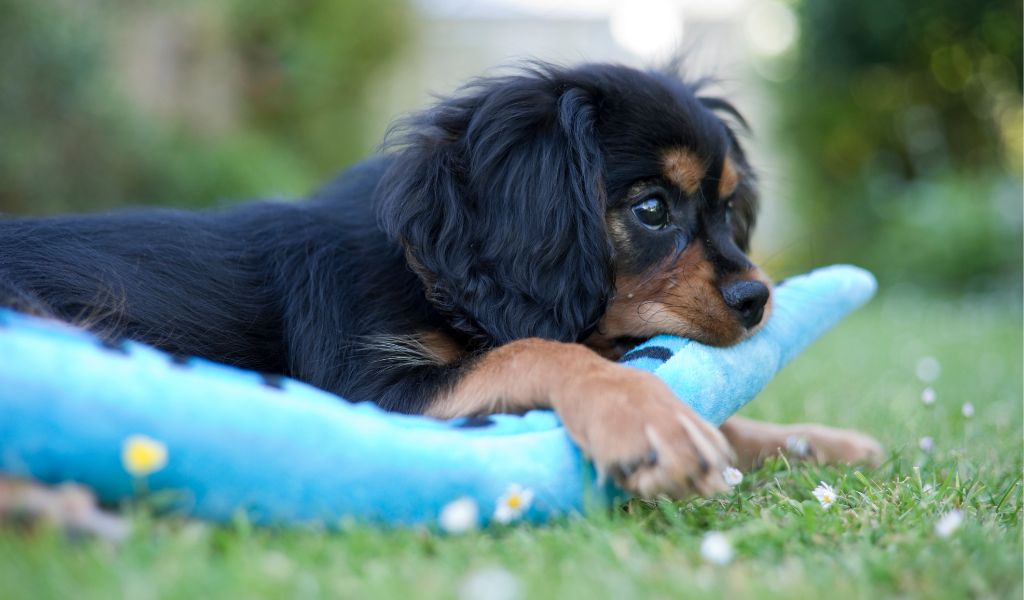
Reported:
(652, 213)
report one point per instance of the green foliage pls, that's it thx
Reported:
(905, 125)
(308, 64)
(75, 138)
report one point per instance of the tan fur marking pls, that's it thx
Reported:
(424, 348)
(680, 299)
(443, 349)
(729, 180)
(514, 378)
(684, 169)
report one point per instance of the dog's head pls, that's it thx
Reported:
(596, 203)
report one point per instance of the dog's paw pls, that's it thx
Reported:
(635, 430)
(824, 444)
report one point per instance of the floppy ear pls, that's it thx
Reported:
(497, 197)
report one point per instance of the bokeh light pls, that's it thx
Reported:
(770, 28)
(651, 29)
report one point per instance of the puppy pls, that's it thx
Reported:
(511, 242)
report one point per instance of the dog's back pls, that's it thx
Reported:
(218, 284)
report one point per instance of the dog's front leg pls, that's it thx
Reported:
(627, 421)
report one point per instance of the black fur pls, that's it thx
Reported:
(485, 220)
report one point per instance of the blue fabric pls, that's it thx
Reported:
(289, 453)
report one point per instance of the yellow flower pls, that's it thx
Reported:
(142, 455)
(512, 504)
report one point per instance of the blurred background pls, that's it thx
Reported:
(887, 134)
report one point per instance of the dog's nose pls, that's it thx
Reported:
(747, 297)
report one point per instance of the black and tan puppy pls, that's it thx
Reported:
(515, 238)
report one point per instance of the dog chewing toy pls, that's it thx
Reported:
(219, 440)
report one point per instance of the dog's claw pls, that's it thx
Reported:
(636, 430)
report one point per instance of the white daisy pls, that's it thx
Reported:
(967, 409)
(928, 396)
(949, 523)
(732, 476)
(512, 504)
(825, 495)
(459, 516)
(716, 549)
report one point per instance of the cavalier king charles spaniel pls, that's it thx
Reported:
(507, 246)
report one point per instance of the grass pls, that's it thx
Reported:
(879, 540)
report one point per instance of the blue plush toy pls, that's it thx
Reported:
(224, 440)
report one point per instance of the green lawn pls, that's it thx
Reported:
(879, 539)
